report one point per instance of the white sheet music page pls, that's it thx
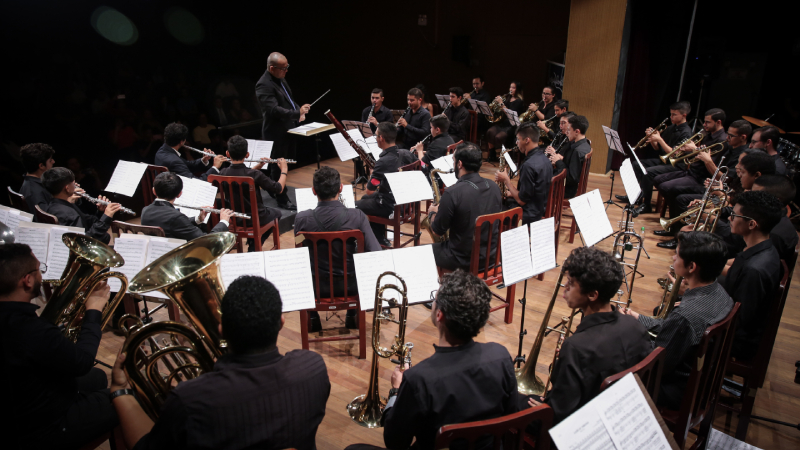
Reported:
(473, 104)
(305, 129)
(609, 140)
(408, 187)
(591, 216)
(543, 245)
(343, 148)
(515, 253)
(258, 149)
(632, 188)
(305, 199)
(57, 250)
(12, 217)
(37, 236)
(721, 441)
(512, 116)
(445, 163)
(583, 430)
(372, 143)
(290, 271)
(348, 196)
(510, 161)
(126, 178)
(196, 193)
(234, 265)
(133, 249)
(358, 138)
(156, 248)
(417, 267)
(369, 266)
(443, 100)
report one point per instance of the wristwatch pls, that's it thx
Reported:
(120, 392)
(393, 391)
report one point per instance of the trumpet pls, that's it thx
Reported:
(404, 114)
(367, 410)
(497, 109)
(696, 138)
(691, 158)
(643, 141)
(266, 160)
(213, 210)
(97, 201)
(690, 214)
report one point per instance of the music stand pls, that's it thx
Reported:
(443, 100)
(614, 143)
(315, 132)
(512, 117)
(480, 106)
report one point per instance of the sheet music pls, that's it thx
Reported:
(12, 217)
(305, 129)
(305, 199)
(443, 100)
(483, 107)
(234, 265)
(417, 267)
(126, 178)
(372, 143)
(37, 237)
(473, 104)
(258, 149)
(57, 251)
(721, 441)
(515, 253)
(612, 137)
(583, 430)
(369, 266)
(408, 187)
(446, 162)
(159, 246)
(290, 271)
(512, 116)
(510, 161)
(543, 245)
(629, 181)
(196, 193)
(343, 148)
(133, 249)
(591, 216)
(358, 138)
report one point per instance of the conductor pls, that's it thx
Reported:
(280, 113)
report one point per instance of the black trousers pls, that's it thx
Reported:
(682, 203)
(673, 184)
(373, 205)
(444, 257)
(646, 181)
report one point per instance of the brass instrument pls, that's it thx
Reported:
(97, 201)
(691, 214)
(497, 109)
(437, 197)
(528, 115)
(501, 167)
(88, 260)
(564, 329)
(543, 138)
(691, 158)
(661, 127)
(367, 410)
(622, 243)
(696, 138)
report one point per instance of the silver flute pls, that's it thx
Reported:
(212, 210)
(268, 160)
(97, 201)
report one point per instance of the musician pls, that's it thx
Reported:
(332, 215)
(560, 107)
(60, 183)
(767, 138)
(605, 342)
(440, 140)
(380, 113)
(414, 122)
(660, 144)
(280, 113)
(572, 158)
(699, 259)
(535, 175)
(478, 92)
(54, 397)
(461, 204)
(379, 201)
(546, 108)
(496, 135)
(36, 158)
(560, 146)
(169, 155)
(783, 235)
(458, 115)
(254, 398)
(162, 213)
(753, 278)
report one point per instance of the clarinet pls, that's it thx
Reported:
(404, 114)
(371, 109)
(97, 201)
(212, 210)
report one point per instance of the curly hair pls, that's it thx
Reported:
(35, 154)
(251, 314)
(595, 270)
(174, 133)
(464, 299)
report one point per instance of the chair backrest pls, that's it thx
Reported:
(338, 239)
(555, 197)
(119, 228)
(147, 182)
(584, 181)
(498, 428)
(761, 361)
(472, 136)
(238, 194)
(452, 147)
(17, 200)
(416, 165)
(502, 221)
(43, 217)
(649, 371)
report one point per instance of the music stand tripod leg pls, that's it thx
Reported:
(316, 142)
(520, 359)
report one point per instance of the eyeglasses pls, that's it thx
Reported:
(734, 135)
(741, 216)
(433, 294)
(283, 69)
(545, 93)
(42, 268)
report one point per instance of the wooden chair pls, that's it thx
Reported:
(555, 200)
(507, 430)
(237, 192)
(649, 371)
(17, 200)
(43, 217)
(753, 372)
(147, 182)
(583, 183)
(334, 302)
(409, 213)
(452, 147)
(702, 389)
(118, 228)
(473, 127)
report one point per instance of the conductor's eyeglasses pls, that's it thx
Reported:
(284, 69)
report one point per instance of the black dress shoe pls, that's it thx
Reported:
(670, 244)
(623, 198)
(385, 242)
(351, 323)
(288, 206)
(663, 233)
(314, 324)
(644, 209)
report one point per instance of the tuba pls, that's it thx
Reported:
(89, 260)
(498, 109)
(367, 410)
(437, 197)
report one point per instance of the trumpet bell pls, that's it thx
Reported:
(528, 385)
(367, 413)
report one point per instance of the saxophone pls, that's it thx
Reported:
(437, 197)
(501, 167)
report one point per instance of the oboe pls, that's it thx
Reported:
(212, 210)
(97, 201)
(267, 161)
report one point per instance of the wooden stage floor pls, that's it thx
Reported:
(779, 398)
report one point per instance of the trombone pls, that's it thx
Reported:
(367, 410)
(661, 127)
(696, 138)
(691, 158)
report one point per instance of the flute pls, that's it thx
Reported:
(212, 210)
(97, 201)
(268, 160)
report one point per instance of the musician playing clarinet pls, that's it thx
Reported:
(169, 155)
(380, 113)
(572, 158)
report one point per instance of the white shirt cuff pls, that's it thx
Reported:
(215, 168)
(225, 222)
(205, 163)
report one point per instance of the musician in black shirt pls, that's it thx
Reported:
(169, 156)
(36, 158)
(560, 107)
(766, 138)
(437, 147)
(414, 122)
(380, 113)
(535, 176)
(496, 135)
(478, 92)
(572, 158)
(546, 108)
(783, 235)
(458, 115)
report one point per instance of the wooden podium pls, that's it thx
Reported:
(313, 129)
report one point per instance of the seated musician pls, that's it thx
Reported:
(54, 397)
(546, 108)
(379, 201)
(767, 138)
(380, 113)
(332, 215)
(783, 235)
(605, 342)
(497, 134)
(753, 277)
(254, 398)
(660, 144)
(169, 155)
(478, 92)
(60, 183)
(163, 213)
(414, 123)
(36, 158)
(560, 107)
(460, 206)
(535, 175)
(572, 158)
(462, 381)
(458, 115)
(437, 147)
(237, 152)
(699, 260)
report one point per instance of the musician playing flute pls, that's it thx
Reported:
(169, 155)
(437, 147)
